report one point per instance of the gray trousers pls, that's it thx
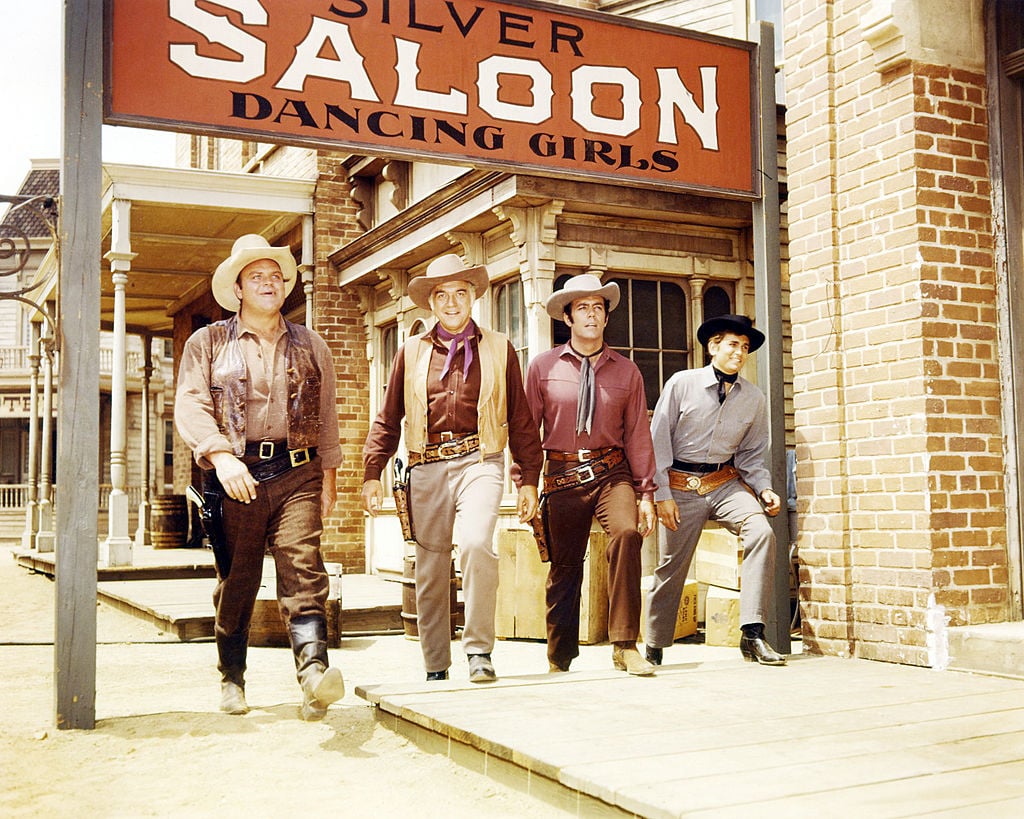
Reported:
(456, 502)
(737, 510)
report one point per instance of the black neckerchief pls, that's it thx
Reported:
(723, 379)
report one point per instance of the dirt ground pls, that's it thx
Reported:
(161, 748)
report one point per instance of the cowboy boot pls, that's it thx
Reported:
(231, 650)
(756, 649)
(321, 685)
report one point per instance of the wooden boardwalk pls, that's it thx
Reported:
(173, 590)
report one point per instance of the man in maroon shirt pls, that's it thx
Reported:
(590, 404)
(460, 390)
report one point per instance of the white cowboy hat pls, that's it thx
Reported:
(447, 268)
(580, 287)
(247, 249)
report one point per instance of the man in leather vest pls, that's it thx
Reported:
(459, 388)
(590, 404)
(710, 430)
(256, 404)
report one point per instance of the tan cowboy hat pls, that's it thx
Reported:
(580, 287)
(247, 249)
(447, 268)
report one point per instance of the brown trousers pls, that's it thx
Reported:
(284, 519)
(612, 500)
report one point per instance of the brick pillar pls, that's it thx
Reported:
(338, 319)
(896, 391)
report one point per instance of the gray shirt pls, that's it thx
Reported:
(690, 425)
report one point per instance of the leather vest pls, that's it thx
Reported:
(228, 379)
(492, 403)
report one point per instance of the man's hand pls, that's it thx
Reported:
(668, 514)
(330, 492)
(373, 496)
(772, 503)
(234, 476)
(527, 503)
(647, 517)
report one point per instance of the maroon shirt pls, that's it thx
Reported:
(620, 411)
(452, 407)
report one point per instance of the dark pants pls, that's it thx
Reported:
(612, 501)
(284, 519)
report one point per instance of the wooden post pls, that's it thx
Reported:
(78, 414)
(768, 309)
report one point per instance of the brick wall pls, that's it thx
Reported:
(338, 319)
(896, 391)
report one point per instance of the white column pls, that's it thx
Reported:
(46, 537)
(28, 536)
(307, 266)
(142, 530)
(116, 550)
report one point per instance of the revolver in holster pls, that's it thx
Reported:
(400, 491)
(539, 525)
(211, 508)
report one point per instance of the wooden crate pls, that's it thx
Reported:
(686, 619)
(268, 628)
(719, 559)
(722, 610)
(521, 607)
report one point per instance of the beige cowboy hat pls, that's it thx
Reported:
(247, 249)
(447, 268)
(581, 287)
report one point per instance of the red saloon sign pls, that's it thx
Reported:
(521, 86)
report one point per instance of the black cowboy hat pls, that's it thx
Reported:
(740, 325)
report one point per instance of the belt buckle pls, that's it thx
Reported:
(266, 450)
(586, 474)
(583, 454)
(298, 457)
(446, 437)
(693, 482)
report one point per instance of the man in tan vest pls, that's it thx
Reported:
(256, 404)
(459, 388)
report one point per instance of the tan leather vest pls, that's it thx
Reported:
(492, 403)
(228, 377)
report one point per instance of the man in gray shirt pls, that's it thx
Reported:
(710, 431)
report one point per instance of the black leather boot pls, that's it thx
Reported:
(231, 650)
(756, 649)
(321, 685)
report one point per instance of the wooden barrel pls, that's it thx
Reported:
(409, 617)
(168, 522)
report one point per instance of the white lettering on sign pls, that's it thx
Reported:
(349, 67)
(218, 29)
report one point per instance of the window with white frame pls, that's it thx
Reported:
(510, 316)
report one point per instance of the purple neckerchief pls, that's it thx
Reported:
(463, 337)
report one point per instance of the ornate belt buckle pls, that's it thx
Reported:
(266, 450)
(693, 482)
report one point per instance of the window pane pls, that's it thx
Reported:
(648, 364)
(644, 309)
(673, 317)
(671, 364)
(616, 334)
(716, 303)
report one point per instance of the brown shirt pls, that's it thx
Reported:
(452, 407)
(266, 397)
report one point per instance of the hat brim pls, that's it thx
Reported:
(724, 324)
(556, 302)
(224, 277)
(421, 287)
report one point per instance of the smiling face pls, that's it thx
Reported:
(452, 305)
(260, 287)
(729, 352)
(586, 319)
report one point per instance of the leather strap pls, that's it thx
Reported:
(580, 455)
(445, 450)
(584, 473)
(701, 484)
